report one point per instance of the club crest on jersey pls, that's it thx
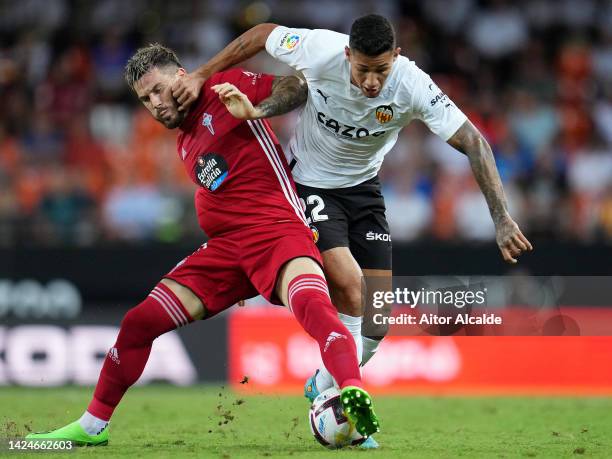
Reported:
(207, 122)
(384, 113)
(211, 170)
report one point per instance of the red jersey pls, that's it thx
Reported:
(242, 175)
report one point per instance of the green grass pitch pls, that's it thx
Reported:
(211, 422)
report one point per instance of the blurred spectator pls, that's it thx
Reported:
(67, 210)
(44, 141)
(602, 115)
(133, 211)
(534, 124)
(81, 161)
(65, 94)
(109, 57)
(498, 30)
(606, 214)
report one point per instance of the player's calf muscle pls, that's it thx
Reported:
(190, 301)
(344, 277)
(376, 280)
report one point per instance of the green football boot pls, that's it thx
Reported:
(357, 405)
(73, 432)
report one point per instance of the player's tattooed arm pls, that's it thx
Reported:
(510, 239)
(187, 89)
(288, 92)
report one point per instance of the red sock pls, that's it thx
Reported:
(159, 313)
(309, 300)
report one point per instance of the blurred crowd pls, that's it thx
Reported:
(82, 163)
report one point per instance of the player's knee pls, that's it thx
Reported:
(132, 319)
(192, 304)
(133, 324)
(348, 298)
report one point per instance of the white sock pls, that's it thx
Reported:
(324, 379)
(370, 346)
(91, 424)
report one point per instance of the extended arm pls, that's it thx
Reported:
(288, 93)
(470, 141)
(187, 89)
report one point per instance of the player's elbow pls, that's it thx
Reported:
(302, 88)
(477, 144)
(473, 143)
(262, 31)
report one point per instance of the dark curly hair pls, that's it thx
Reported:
(372, 35)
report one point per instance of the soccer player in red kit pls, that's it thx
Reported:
(259, 241)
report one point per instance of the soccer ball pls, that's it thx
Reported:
(329, 424)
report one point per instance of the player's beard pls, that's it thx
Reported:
(174, 121)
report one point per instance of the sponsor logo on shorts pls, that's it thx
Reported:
(211, 170)
(372, 236)
(384, 113)
(315, 233)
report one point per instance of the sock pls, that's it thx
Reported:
(324, 379)
(159, 313)
(309, 300)
(91, 424)
(370, 346)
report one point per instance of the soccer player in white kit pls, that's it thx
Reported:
(362, 92)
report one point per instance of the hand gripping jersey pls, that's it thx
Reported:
(342, 136)
(242, 175)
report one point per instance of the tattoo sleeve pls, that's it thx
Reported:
(469, 141)
(288, 93)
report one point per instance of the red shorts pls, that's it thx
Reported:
(243, 264)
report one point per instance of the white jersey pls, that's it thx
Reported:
(342, 136)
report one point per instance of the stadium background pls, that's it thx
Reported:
(95, 206)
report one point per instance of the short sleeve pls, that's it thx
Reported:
(304, 50)
(256, 86)
(435, 108)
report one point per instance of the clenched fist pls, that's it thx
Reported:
(511, 240)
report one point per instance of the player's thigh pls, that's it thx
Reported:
(344, 277)
(370, 238)
(292, 269)
(213, 276)
(370, 243)
(188, 299)
(326, 216)
(268, 253)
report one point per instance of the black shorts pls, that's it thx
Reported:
(352, 217)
